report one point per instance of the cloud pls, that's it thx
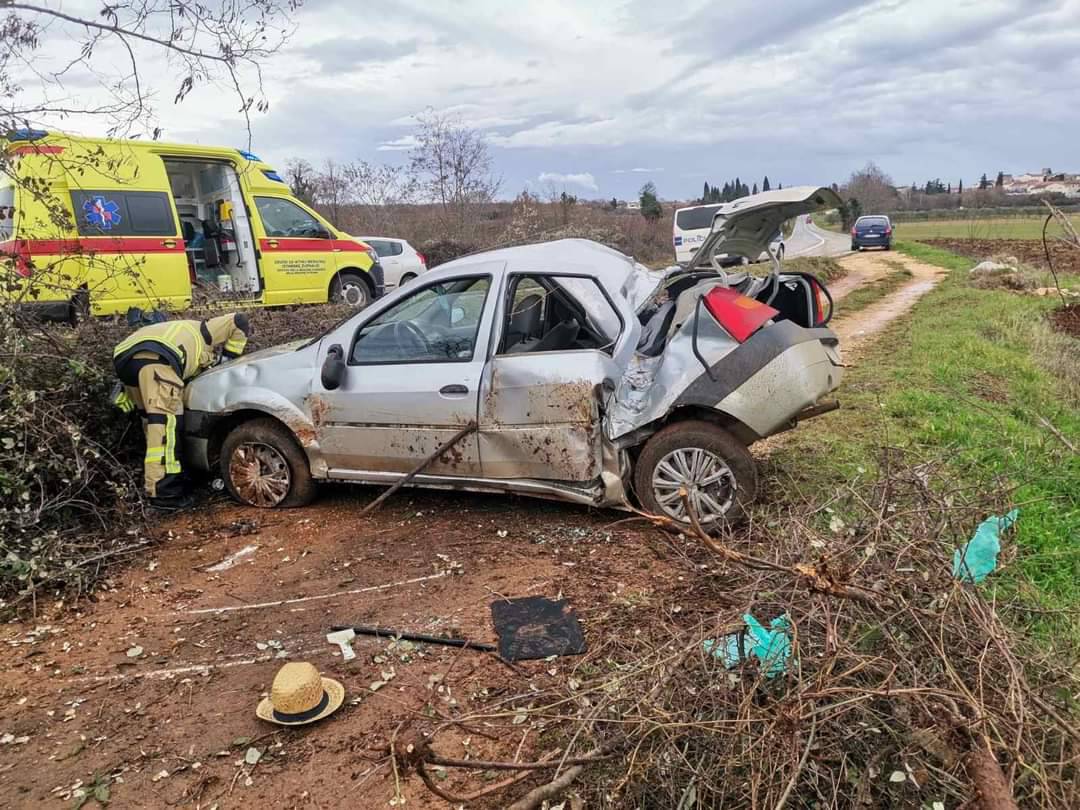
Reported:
(803, 91)
(347, 54)
(584, 180)
(402, 144)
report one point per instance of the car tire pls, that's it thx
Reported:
(406, 278)
(350, 287)
(282, 477)
(684, 442)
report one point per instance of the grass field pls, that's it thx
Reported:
(968, 228)
(975, 228)
(968, 377)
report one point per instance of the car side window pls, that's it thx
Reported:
(393, 248)
(435, 324)
(553, 313)
(282, 218)
(380, 246)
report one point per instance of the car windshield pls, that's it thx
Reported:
(695, 219)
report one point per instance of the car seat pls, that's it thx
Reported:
(562, 336)
(524, 326)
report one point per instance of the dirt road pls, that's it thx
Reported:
(862, 268)
(151, 689)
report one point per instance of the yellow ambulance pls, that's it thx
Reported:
(96, 225)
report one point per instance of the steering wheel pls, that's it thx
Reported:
(406, 331)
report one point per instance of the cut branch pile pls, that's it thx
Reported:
(904, 687)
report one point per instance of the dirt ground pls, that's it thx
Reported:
(428, 562)
(152, 686)
(1029, 251)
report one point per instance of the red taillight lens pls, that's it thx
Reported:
(888, 231)
(739, 315)
(820, 303)
(852, 230)
(420, 256)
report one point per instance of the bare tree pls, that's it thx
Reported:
(380, 191)
(873, 189)
(452, 165)
(300, 175)
(222, 41)
(333, 190)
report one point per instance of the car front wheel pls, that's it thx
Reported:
(262, 465)
(349, 287)
(699, 464)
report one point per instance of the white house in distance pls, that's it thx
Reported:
(1044, 182)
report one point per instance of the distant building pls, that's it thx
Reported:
(633, 205)
(1044, 182)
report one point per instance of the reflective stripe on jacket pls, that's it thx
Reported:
(188, 346)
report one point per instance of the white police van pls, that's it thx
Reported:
(692, 225)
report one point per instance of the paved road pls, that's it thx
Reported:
(809, 240)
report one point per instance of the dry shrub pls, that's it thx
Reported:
(71, 465)
(913, 689)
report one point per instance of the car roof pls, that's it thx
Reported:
(616, 271)
(386, 238)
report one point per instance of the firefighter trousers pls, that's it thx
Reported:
(159, 398)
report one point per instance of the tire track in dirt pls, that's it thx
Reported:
(856, 328)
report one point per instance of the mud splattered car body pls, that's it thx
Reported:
(590, 378)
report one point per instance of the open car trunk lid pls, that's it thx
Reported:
(747, 226)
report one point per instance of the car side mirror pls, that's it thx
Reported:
(457, 315)
(333, 369)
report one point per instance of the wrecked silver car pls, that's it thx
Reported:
(589, 378)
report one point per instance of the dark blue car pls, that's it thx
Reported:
(871, 231)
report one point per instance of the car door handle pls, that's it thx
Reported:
(272, 243)
(454, 389)
(169, 243)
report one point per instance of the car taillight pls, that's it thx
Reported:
(420, 256)
(852, 230)
(888, 231)
(819, 303)
(739, 315)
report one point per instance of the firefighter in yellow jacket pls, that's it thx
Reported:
(153, 364)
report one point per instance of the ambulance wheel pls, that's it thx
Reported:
(350, 287)
(263, 465)
(711, 466)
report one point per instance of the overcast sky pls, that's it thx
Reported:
(599, 97)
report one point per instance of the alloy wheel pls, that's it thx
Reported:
(705, 477)
(260, 475)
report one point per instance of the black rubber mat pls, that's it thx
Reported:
(536, 627)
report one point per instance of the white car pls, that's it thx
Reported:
(692, 225)
(400, 261)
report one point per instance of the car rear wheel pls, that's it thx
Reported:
(406, 278)
(715, 470)
(262, 465)
(349, 287)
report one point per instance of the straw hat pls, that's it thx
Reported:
(299, 695)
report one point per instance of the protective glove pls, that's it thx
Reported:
(120, 399)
